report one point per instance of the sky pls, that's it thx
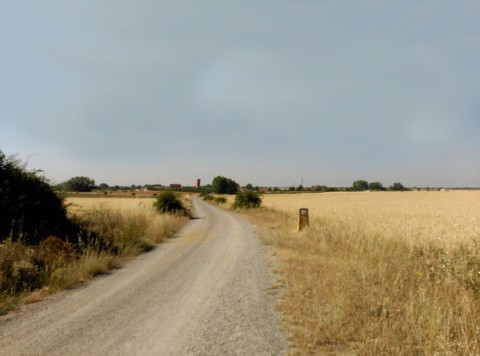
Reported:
(267, 92)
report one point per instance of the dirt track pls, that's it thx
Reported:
(201, 293)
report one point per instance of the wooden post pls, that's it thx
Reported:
(303, 220)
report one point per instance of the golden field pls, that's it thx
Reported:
(78, 204)
(444, 216)
(377, 273)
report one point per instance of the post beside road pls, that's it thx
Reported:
(303, 219)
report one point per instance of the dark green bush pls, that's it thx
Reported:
(220, 200)
(30, 210)
(247, 199)
(169, 202)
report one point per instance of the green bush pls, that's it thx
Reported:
(168, 202)
(220, 200)
(30, 210)
(247, 199)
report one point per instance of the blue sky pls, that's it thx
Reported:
(264, 92)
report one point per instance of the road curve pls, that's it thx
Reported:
(203, 292)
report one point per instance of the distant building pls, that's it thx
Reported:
(175, 186)
(197, 183)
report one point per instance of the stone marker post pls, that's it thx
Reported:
(303, 220)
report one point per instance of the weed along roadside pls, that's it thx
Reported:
(351, 288)
(118, 230)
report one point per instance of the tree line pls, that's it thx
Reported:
(362, 185)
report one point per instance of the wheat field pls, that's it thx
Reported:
(448, 217)
(377, 273)
(79, 204)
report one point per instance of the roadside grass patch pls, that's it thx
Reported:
(27, 273)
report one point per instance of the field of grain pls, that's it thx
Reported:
(377, 273)
(78, 204)
(444, 216)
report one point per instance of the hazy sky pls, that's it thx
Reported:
(264, 92)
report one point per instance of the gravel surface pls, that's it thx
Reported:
(204, 292)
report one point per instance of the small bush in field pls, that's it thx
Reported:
(208, 197)
(247, 199)
(168, 202)
(220, 200)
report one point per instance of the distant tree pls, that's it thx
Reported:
(222, 185)
(360, 185)
(376, 186)
(79, 184)
(300, 188)
(249, 186)
(103, 186)
(397, 186)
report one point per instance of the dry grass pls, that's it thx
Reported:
(123, 228)
(396, 284)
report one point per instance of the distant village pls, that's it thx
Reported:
(149, 189)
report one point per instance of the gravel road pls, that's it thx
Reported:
(204, 292)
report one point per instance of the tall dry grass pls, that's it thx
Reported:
(119, 230)
(349, 288)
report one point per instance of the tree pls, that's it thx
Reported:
(376, 186)
(397, 186)
(360, 185)
(103, 186)
(79, 184)
(249, 186)
(222, 185)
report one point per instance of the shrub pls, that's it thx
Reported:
(19, 269)
(29, 208)
(247, 199)
(220, 200)
(168, 202)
